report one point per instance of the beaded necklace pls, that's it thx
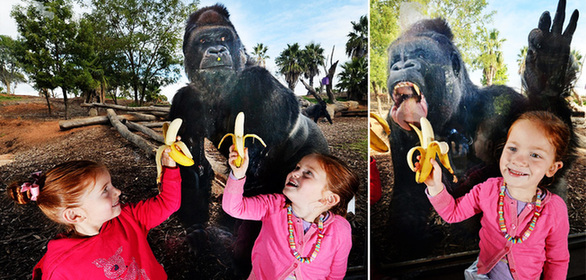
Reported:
(320, 236)
(531, 226)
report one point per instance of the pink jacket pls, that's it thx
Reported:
(545, 251)
(271, 255)
(120, 250)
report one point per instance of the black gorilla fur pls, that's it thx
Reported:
(473, 120)
(224, 82)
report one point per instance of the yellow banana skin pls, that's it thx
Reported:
(376, 143)
(429, 149)
(238, 138)
(179, 151)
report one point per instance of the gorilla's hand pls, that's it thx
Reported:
(546, 64)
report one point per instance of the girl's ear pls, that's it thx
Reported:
(554, 168)
(331, 199)
(73, 215)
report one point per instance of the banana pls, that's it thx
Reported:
(238, 138)
(376, 143)
(429, 149)
(179, 151)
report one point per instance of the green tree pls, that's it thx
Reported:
(466, 19)
(357, 45)
(49, 35)
(10, 67)
(260, 52)
(147, 35)
(353, 78)
(290, 64)
(313, 57)
(384, 28)
(491, 58)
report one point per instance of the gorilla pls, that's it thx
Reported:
(427, 78)
(318, 111)
(223, 82)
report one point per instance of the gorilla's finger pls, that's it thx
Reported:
(560, 16)
(544, 22)
(571, 26)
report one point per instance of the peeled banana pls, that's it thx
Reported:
(179, 151)
(238, 138)
(376, 143)
(429, 149)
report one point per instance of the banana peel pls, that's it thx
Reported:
(238, 138)
(179, 151)
(429, 149)
(376, 143)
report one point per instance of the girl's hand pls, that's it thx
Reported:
(166, 159)
(239, 172)
(434, 180)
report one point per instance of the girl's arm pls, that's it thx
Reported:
(451, 210)
(557, 256)
(155, 210)
(247, 208)
(340, 261)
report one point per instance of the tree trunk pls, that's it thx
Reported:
(330, 76)
(147, 131)
(65, 103)
(46, 92)
(78, 122)
(135, 139)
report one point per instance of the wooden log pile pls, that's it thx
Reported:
(139, 119)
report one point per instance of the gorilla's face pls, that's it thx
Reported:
(213, 49)
(423, 79)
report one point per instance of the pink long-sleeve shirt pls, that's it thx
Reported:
(120, 250)
(271, 254)
(546, 249)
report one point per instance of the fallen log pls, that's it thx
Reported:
(126, 108)
(152, 124)
(72, 123)
(141, 128)
(135, 139)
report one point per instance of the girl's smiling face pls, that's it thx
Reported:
(102, 203)
(307, 182)
(528, 156)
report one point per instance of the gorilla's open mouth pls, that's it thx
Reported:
(405, 90)
(410, 104)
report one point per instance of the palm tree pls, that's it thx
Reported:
(357, 44)
(353, 78)
(260, 51)
(491, 58)
(313, 57)
(290, 64)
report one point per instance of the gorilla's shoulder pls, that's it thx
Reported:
(260, 78)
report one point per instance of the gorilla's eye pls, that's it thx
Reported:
(223, 39)
(202, 41)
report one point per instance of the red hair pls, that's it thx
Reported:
(556, 130)
(60, 188)
(340, 180)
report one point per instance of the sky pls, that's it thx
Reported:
(276, 23)
(273, 23)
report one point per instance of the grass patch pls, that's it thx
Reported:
(5, 97)
(360, 144)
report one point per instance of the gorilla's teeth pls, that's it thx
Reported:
(407, 84)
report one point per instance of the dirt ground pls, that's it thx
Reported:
(382, 247)
(30, 140)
